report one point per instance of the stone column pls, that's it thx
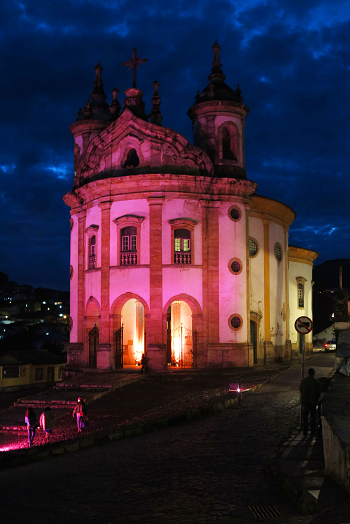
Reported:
(156, 346)
(104, 354)
(288, 343)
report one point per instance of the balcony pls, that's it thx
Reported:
(182, 258)
(128, 258)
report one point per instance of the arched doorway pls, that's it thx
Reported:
(254, 340)
(181, 340)
(133, 332)
(92, 319)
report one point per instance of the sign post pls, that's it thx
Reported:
(303, 325)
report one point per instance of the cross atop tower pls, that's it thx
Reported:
(133, 63)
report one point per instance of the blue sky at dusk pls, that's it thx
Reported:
(291, 59)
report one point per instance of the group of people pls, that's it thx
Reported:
(310, 392)
(47, 421)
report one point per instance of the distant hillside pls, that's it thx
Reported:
(326, 275)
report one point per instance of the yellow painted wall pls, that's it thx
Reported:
(27, 376)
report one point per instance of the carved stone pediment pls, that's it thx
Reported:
(131, 143)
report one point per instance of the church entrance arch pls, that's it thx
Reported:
(92, 323)
(129, 330)
(181, 315)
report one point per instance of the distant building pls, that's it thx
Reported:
(172, 252)
(30, 368)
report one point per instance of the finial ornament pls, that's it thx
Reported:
(216, 48)
(216, 71)
(133, 63)
(98, 85)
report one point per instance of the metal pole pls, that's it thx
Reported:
(303, 355)
(302, 373)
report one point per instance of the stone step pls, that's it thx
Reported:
(54, 404)
(91, 387)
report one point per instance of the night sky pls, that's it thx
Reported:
(291, 59)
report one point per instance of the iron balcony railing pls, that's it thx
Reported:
(92, 261)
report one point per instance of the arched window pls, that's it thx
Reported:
(128, 243)
(300, 295)
(92, 252)
(301, 291)
(182, 246)
(227, 146)
(132, 160)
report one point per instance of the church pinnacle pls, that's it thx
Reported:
(216, 70)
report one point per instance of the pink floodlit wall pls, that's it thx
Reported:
(74, 278)
(233, 288)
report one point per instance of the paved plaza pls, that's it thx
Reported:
(209, 470)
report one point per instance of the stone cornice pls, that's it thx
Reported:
(301, 255)
(267, 208)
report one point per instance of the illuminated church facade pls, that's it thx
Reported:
(173, 254)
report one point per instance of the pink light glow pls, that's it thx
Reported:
(10, 447)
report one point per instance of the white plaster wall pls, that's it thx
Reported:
(93, 285)
(93, 217)
(257, 273)
(74, 279)
(277, 287)
(138, 207)
(232, 288)
(298, 269)
(129, 280)
(178, 280)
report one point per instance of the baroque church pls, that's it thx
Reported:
(173, 254)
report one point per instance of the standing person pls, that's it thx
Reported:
(310, 391)
(80, 412)
(30, 420)
(47, 423)
(144, 361)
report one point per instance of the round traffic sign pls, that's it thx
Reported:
(303, 325)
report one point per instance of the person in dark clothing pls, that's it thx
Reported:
(310, 391)
(144, 361)
(30, 420)
(80, 412)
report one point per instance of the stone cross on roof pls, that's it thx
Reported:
(133, 63)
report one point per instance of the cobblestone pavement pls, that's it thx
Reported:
(158, 397)
(210, 470)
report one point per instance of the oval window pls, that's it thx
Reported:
(253, 247)
(234, 213)
(235, 322)
(278, 251)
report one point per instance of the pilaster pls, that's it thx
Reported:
(266, 225)
(156, 346)
(210, 257)
(104, 360)
(81, 275)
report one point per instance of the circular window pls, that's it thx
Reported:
(235, 266)
(234, 213)
(253, 247)
(235, 322)
(278, 251)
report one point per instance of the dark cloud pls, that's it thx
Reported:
(291, 60)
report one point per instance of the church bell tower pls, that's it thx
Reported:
(218, 117)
